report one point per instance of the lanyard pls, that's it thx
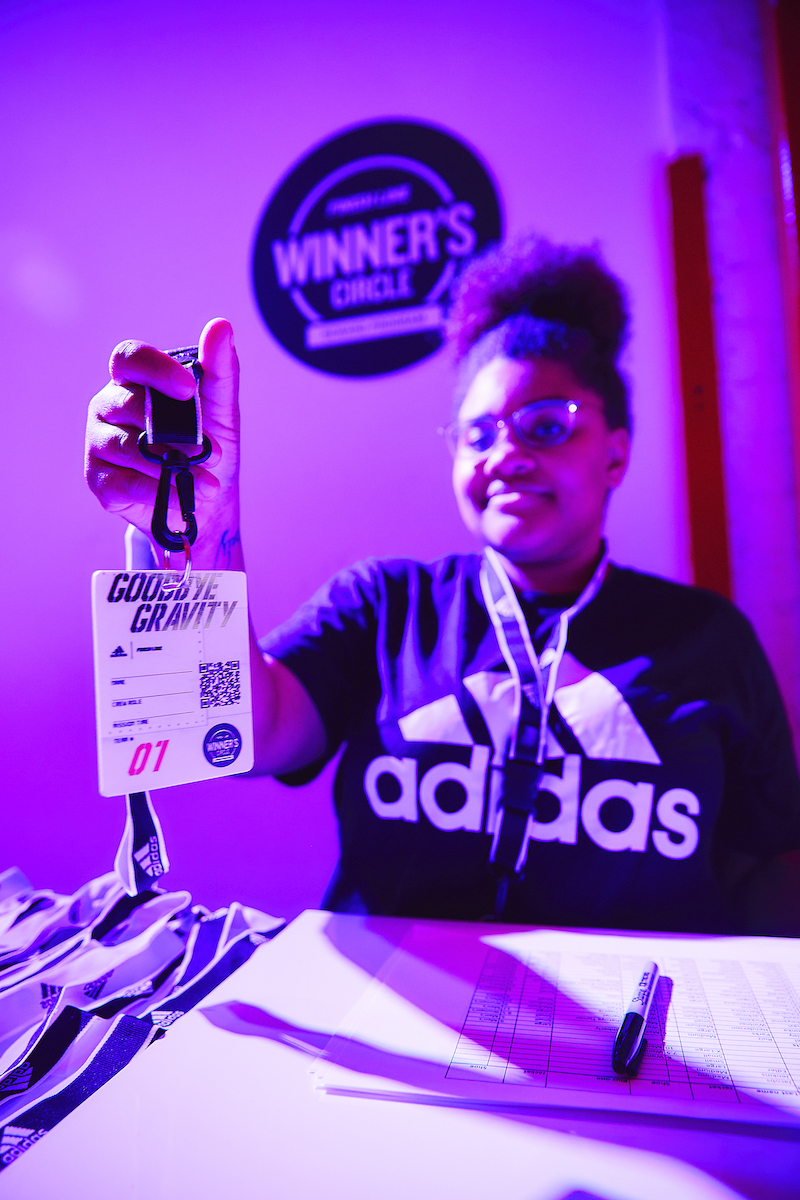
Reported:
(535, 678)
(157, 960)
(142, 856)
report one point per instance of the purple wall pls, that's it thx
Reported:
(141, 143)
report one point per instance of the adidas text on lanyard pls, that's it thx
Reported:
(535, 679)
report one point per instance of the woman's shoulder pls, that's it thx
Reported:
(635, 604)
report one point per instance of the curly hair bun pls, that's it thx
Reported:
(528, 274)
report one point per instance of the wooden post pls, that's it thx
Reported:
(698, 371)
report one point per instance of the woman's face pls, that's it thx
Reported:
(539, 508)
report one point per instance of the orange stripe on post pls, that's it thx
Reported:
(708, 523)
(782, 27)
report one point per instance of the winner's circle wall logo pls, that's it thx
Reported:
(361, 242)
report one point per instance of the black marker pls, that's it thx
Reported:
(629, 1044)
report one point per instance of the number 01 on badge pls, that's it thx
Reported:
(172, 678)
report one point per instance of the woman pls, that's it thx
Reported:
(531, 731)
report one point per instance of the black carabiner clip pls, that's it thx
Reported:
(174, 463)
(175, 421)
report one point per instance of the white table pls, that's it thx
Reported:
(207, 1113)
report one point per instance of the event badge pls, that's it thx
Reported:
(172, 678)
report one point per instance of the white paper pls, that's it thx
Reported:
(466, 1016)
(172, 678)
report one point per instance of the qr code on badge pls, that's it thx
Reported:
(220, 684)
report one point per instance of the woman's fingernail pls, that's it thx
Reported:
(183, 381)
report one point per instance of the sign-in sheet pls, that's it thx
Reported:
(481, 1016)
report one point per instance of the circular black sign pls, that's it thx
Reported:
(360, 243)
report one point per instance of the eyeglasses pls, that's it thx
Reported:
(539, 425)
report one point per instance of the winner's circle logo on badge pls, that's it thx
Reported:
(361, 242)
(222, 744)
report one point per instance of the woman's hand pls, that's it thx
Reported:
(126, 483)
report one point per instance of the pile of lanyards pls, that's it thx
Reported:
(89, 980)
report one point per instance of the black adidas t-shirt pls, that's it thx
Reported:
(667, 738)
